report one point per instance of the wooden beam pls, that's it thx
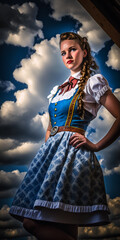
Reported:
(101, 20)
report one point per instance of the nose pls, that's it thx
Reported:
(68, 55)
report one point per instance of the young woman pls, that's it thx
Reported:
(64, 186)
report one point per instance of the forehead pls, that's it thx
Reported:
(66, 44)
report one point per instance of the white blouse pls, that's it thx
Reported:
(95, 87)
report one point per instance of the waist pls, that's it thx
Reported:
(57, 129)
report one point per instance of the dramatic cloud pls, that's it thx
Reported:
(11, 228)
(6, 144)
(21, 123)
(100, 126)
(103, 232)
(21, 155)
(9, 182)
(18, 24)
(25, 121)
(112, 171)
(110, 230)
(96, 36)
(114, 58)
(114, 205)
(7, 86)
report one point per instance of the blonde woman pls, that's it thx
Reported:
(64, 186)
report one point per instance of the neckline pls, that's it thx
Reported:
(76, 75)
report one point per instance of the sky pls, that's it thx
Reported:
(30, 66)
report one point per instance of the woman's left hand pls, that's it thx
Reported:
(77, 140)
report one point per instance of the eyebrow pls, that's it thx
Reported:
(68, 48)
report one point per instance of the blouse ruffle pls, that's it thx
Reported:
(96, 87)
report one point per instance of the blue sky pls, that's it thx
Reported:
(31, 66)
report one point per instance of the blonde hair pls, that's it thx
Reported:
(88, 65)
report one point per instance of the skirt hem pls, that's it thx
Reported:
(59, 216)
(69, 207)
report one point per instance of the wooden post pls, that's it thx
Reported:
(101, 20)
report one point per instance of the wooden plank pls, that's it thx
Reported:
(101, 20)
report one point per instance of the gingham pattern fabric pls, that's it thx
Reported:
(63, 177)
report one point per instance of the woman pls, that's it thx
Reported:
(64, 186)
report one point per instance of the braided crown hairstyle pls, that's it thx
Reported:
(88, 65)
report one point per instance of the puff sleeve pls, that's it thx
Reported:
(97, 86)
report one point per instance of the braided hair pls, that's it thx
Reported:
(88, 65)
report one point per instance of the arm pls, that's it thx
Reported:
(48, 131)
(110, 102)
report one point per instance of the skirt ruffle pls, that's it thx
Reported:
(62, 183)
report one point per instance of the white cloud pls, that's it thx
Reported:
(111, 171)
(7, 86)
(96, 36)
(21, 154)
(110, 230)
(8, 143)
(9, 182)
(11, 228)
(114, 58)
(101, 127)
(20, 120)
(20, 26)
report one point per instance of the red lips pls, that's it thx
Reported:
(70, 61)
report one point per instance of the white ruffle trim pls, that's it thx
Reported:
(34, 213)
(101, 92)
(45, 214)
(52, 93)
(70, 208)
(62, 96)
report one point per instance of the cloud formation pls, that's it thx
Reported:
(18, 24)
(101, 125)
(9, 182)
(110, 230)
(96, 36)
(11, 228)
(21, 154)
(7, 86)
(23, 128)
(114, 58)
(24, 122)
(111, 171)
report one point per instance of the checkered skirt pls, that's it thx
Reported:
(61, 185)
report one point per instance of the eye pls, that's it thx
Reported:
(73, 49)
(63, 53)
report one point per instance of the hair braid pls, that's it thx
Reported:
(88, 66)
(81, 85)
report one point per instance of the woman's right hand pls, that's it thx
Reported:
(77, 140)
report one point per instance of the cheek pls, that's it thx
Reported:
(79, 57)
(63, 59)
(76, 55)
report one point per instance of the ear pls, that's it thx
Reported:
(85, 53)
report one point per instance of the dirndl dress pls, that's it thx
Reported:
(63, 184)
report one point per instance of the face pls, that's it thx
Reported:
(72, 55)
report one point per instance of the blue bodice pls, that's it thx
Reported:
(65, 113)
